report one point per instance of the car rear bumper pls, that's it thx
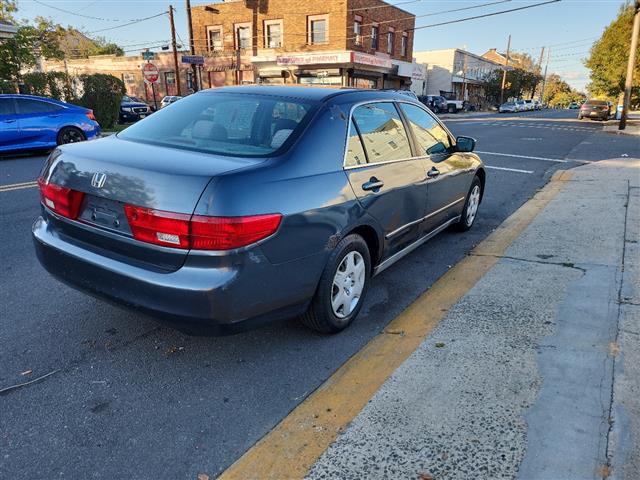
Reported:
(196, 298)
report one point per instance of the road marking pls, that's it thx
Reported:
(508, 169)
(558, 160)
(17, 186)
(291, 448)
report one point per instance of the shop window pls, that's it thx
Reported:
(318, 28)
(374, 36)
(431, 137)
(404, 45)
(214, 37)
(273, 33)
(243, 35)
(357, 30)
(391, 34)
(355, 151)
(382, 132)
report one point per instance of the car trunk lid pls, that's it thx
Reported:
(113, 173)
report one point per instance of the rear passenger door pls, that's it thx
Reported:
(449, 173)
(39, 121)
(388, 181)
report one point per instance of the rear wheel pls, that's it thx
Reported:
(342, 287)
(470, 210)
(70, 135)
(452, 109)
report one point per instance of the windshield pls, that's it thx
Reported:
(245, 124)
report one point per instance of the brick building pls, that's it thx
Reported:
(362, 43)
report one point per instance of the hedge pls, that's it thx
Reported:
(103, 94)
(99, 92)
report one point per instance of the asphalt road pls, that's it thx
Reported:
(128, 398)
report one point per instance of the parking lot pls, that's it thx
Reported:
(144, 401)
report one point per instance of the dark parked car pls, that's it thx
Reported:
(435, 103)
(598, 109)
(28, 122)
(248, 204)
(133, 109)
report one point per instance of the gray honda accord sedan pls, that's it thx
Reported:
(241, 205)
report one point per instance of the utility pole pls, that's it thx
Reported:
(533, 94)
(192, 49)
(175, 50)
(238, 57)
(504, 72)
(544, 79)
(635, 33)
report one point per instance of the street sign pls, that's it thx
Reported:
(150, 73)
(147, 55)
(193, 59)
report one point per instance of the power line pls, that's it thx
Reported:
(127, 24)
(435, 13)
(485, 15)
(84, 16)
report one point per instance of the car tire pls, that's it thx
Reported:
(452, 109)
(471, 204)
(70, 135)
(342, 287)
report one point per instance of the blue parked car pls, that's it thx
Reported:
(31, 122)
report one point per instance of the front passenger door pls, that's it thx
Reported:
(388, 181)
(9, 127)
(449, 172)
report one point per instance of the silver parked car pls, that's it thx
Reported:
(169, 99)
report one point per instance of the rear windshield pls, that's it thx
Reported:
(246, 125)
(596, 102)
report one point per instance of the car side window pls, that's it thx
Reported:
(382, 132)
(27, 105)
(355, 150)
(431, 137)
(6, 106)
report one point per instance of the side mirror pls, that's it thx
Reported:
(437, 149)
(465, 144)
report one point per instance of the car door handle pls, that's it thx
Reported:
(373, 184)
(433, 173)
(9, 121)
(55, 115)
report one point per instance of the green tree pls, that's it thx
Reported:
(553, 87)
(7, 9)
(31, 41)
(519, 83)
(608, 58)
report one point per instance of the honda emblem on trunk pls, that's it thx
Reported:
(98, 179)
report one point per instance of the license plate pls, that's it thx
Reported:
(105, 213)
(142, 115)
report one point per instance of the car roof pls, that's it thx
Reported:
(34, 97)
(317, 94)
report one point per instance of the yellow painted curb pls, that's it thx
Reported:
(293, 446)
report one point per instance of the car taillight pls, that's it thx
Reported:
(90, 115)
(226, 233)
(199, 232)
(62, 200)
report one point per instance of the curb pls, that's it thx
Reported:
(292, 447)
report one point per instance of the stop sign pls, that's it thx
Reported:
(150, 72)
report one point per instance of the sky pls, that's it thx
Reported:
(567, 28)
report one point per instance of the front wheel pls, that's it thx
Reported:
(342, 287)
(70, 135)
(470, 210)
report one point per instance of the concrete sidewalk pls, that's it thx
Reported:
(535, 372)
